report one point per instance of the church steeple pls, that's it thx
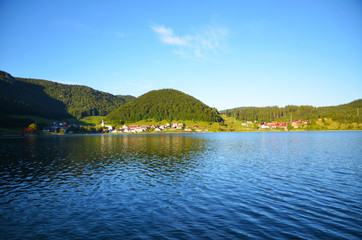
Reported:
(102, 123)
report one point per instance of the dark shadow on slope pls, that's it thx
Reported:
(21, 98)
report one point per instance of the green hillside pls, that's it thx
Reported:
(163, 104)
(345, 113)
(54, 100)
(24, 98)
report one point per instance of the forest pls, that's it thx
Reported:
(345, 113)
(162, 104)
(54, 100)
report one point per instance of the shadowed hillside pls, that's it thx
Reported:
(54, 100)
(25, 98)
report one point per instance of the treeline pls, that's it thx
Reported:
(164, 104)
(346, 113)
(54, 100)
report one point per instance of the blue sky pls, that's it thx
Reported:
(225, 53)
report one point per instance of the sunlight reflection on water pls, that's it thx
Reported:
(224, 185)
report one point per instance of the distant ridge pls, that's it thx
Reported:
(164, 104)
(25, 96)
(344, 113)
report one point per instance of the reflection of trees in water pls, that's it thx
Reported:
(157, 151)
(79, 155)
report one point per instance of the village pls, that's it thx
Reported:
(154, 127)
(276, 124)
(65, 128)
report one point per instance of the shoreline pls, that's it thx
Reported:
(161, 133)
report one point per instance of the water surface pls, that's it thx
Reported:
(301, 185)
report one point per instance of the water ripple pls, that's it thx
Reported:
(191, 186)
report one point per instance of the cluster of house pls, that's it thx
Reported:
(142, 128)
(276, 124)
(61, 126)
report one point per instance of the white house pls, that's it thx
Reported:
(109, 127)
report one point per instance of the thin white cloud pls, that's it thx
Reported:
(206, 41)
(166, 35)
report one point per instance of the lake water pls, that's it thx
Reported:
(292, 185)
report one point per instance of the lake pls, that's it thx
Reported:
(259, 185)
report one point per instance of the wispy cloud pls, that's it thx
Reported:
(167, 36)
(204, 42)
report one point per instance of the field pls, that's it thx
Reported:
(92, 120)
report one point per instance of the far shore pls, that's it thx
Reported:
(172, 132)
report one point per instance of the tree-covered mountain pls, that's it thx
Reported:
(345, 113)
(163, 104)
(24, 98)
(54, 100)
(82, 101)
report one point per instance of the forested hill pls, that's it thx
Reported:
(54, 100)
(81, 101)
(345, 113)
(163, 104)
